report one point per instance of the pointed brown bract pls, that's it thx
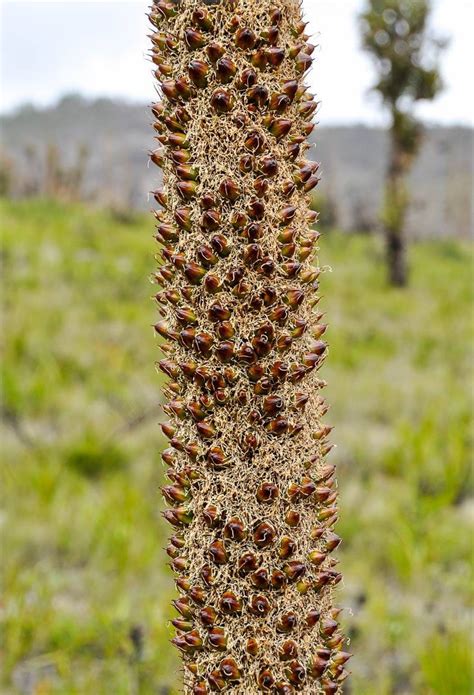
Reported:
(252, 497)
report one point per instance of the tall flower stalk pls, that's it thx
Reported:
(252, 497)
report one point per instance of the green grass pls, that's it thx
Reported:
(81, 527)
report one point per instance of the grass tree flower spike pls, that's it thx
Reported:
(252, 498)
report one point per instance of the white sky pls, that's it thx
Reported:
(98, 48)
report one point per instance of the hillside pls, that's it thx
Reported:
(113, 137)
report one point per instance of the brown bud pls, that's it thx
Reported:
(329, 687)
(287, 547)
(303, 62)
(216, 680)
(277, 427)
(248, 562)
(187, 189)
(278, 580)
(247, 79)
(265, 679)
(217, 312)
(206, 256)
(174, 493)
(183, 607)
(222, 101)
(264, 534)
(229, 190)
(280, 127)
(207, 616)
(183, 218)
(218, 552)
(163, 328)
(267, 493)
(259, 606)
(207, 575)
(206, 430)
(182, 625)
(198, 71)
(215, 51)
(287, 622)
(294, 570)
(288, 650)
(202, 19)
(225, 351)
(194, 39)
(255, 142)
(259, 578)
(296, 673)
(230, 604)
(226, 70)
(252, 646)
(268, 166)
(221, 245)
(217, 638)
(200, 688)
(197, 594)
(212, 283)
(282, 688)
(229, 669)
(245, 39)
(234, 530)
(256, 209)
(259, 59)
(275, 56)
(258, 95)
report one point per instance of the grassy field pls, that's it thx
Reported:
(86, 587)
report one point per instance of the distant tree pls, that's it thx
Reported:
(406, 55)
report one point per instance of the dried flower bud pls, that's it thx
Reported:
(215, 51)
(265, 679)
(294, 570)
(251, 646)
(218, 552)
(264, 534)
(288, 650)
(222, 101)
(248, 562)
(206, 430)
(203, 19)
(229, 669)
(207, 616)
(198, 71)
(194, 39)
(229, 190)
(225, 70)
(287, 547)
(230, 604)
(255, 142)
(280, 127)
(216, 680)
(234, 530)
(287, 622)
(187, 189)
(259, 578)
(245, 39)
(260, 606)
(275, 56)
(267, 493)
(296, 673)
(217, 638)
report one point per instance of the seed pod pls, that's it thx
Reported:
(275, 56)
(251, 646)
(260, 606)
(248, 562)
(230, 604)
(258, 96)
(206, 430)
(194, 38)
(229, 190)
(259, 579)
(245, 39)
(222, 101)
(218, 553)
(296, 673)
(267, 493)
(265, 679)
(198, 71)
(287, 622)
(282, 688)
(264, 534)
(287, 547)
(207, 616)
(280, 127)
(229, 669)
(225, 70)
(200, 688)
(288, 650)
(234, 530)
(294, 570)
(255, 142)
(217, 638)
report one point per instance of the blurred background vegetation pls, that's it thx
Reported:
(86, 588)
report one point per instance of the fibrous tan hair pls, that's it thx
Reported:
(253, 498)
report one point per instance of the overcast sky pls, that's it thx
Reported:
(98, 48)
